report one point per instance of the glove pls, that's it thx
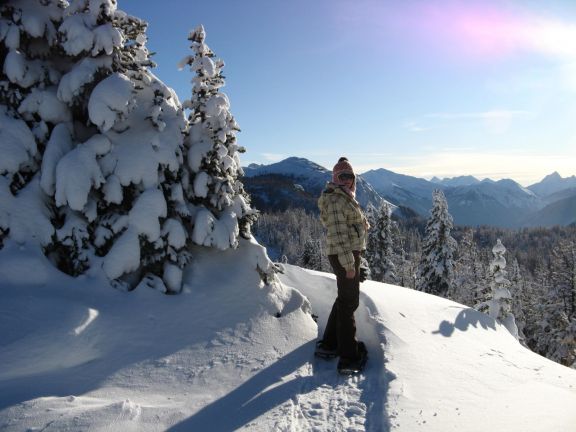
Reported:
(364, 270)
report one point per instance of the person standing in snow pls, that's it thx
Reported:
(346, 227)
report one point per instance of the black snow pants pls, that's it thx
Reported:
(340, 330)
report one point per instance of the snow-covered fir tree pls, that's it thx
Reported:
(134, 123)
(371, 213)
(556, 339)
(223, 207)
(380, 245)
(311, 256)
(557, 336)
(106, 140)
(470, 282)
(520, 300)
(29, 109)
(500, 303)
(563, 274)
(436, 268)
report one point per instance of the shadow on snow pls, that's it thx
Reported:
(467, 317)
(256, 396)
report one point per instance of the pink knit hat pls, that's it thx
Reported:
(343, 167)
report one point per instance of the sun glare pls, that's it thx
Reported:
(495, 32)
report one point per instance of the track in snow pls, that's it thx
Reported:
(327, 401)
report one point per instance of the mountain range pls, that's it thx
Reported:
(297, 182)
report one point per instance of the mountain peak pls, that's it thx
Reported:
(553, 183)
(552, 177)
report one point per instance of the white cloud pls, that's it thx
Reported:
(485, 115)
(273, 157)
(495, 121)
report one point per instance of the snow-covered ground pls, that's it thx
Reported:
(78, 355)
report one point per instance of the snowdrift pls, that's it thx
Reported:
(232, 353)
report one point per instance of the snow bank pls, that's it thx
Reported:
(77, 354)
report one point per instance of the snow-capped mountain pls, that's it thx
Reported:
(296, 182)
(553, 183)
(502, 203)
(456, 181)
(232, 354)
(472, 202)
(482, 196)
(400, 189)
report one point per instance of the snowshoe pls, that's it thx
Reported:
(353, 367)
(324, 351)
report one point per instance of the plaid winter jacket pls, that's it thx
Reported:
(345, 222)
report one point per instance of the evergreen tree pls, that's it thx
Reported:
(435, 272)
(380, 246)
(557, 336)
(520, 300)
(213, 155)
(108, 144)
(29, 109)
(500, 304)
(311, 257)
(128, 134)
(556, 339)
(563, 274)
(371, 214)
(538, 289)
(468, 272)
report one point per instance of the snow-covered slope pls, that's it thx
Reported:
(231, 354)
(560, 212)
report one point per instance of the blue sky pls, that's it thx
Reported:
(424, 88)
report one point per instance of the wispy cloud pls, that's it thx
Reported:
(414, 126)
(495, 121)
(273, 157)
(486, 115)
